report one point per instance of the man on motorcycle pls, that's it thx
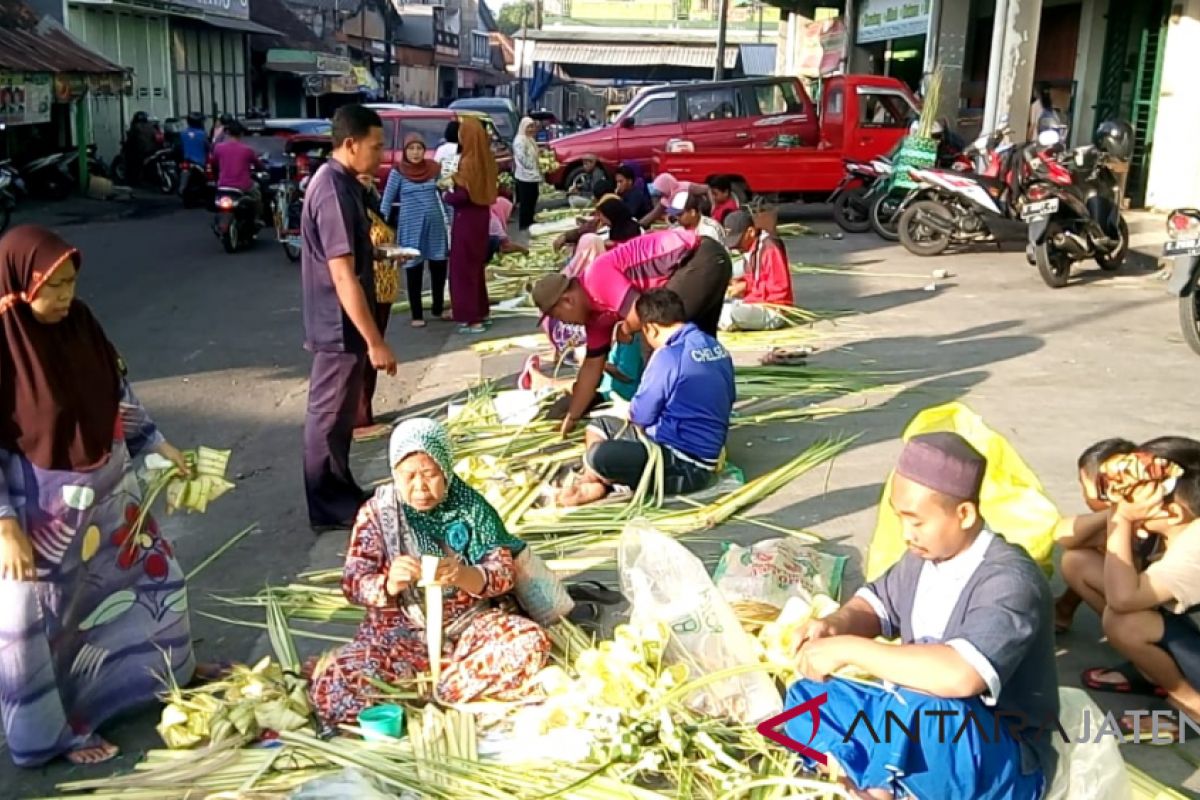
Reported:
(235, 161)
(194, 141)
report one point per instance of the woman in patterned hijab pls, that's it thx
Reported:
(489, 652)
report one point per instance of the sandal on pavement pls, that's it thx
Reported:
(594, 592)
(94, 750)
(472, 329)
(1148, 731)
(417, 323)
(1133, 682)
(787, 357)
(525, 379)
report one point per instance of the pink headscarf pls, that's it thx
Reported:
(665, 184)
(667, 187)
(501, 211)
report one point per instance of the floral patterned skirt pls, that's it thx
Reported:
(494, 658)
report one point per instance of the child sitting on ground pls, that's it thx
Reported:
(972, 613)
(1086, 531)
(720, 192)
(683, 405)
(1145, 613)
(767, 280)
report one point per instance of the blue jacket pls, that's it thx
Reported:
(194, 143)
(686, 396)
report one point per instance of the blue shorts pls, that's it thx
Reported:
(958, 761)
(1181, 639)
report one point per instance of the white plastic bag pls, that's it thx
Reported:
(1091, 770)
(349, 784)
(666, 583)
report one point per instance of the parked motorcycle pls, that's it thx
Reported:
(1183, 228)
(952, 207)
(286, 206)
(1074, 203)
(851, 200)
(161, 169)
(305, 154)
(11, 185)
(887, 204)
(51, 176)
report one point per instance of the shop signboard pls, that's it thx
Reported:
(25, 98)
(238, 9)
(879, 20)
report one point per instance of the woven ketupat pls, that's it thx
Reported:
(1012, 498)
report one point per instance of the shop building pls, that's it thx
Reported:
(183, 55)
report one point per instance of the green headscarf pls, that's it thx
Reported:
(464, 520)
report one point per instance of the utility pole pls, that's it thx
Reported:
(722, 24)
(388, 16)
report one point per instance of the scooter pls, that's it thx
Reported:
(238, 219)
(952, 207)
(163, 168)
(851, 208)
(1183, 228)
(193, 184)
(1073, 207)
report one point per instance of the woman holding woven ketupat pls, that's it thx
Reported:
(94, 607)
(427, 511)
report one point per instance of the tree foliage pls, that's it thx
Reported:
(515, 16)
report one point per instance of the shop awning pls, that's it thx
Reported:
(231, 24)
(30, 44)
(633, 55)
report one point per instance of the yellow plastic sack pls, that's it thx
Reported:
(1012, 498)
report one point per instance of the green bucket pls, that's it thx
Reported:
(380, 723)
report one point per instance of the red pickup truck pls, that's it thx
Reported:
(862, 117)
(748, 111)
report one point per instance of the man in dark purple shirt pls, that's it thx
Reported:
(338, 273)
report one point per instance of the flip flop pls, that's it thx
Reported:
(594, 592)
(106, 751)
(525, 379)
(472, 330)
(1134, 683)
(787, 357)
(1161, 737)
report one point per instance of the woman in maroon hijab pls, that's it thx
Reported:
(89, 607)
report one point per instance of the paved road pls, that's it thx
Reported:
(213, 343)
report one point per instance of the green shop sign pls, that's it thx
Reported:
(891, 19)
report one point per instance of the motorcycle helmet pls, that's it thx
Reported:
(195, 119)
(226, 120)
(141, 116)
(1115, 137)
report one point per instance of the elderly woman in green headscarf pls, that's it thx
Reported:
(427, 510)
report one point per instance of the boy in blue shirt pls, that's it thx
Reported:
(683, 405)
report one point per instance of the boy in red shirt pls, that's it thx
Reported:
(767, 280)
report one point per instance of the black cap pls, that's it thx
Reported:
(736, 225)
